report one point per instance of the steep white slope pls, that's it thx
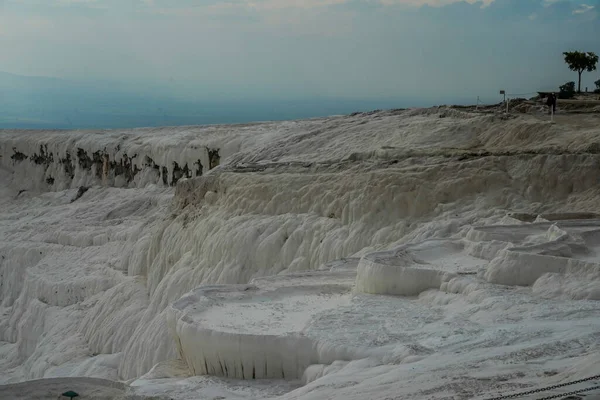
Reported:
(66, 295)
(89, 279)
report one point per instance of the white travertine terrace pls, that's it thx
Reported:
(384, 254)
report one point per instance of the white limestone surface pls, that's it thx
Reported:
(412, 269)
(497, 300)
(258, 331)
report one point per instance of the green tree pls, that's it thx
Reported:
(581, 61)
(597, 83)
(567, 91)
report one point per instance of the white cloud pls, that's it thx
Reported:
(97, 4)
(156, 7)
(55, 2)
(583, 9)
(254, 5)
(67, 2)
(231, 7)
(548, 3)
(434, 3)
(281, 4)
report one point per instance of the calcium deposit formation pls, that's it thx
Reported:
(424, 253)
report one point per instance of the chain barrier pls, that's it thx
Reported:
(516, 395)
(570, 393)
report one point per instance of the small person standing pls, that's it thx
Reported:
(551, 103)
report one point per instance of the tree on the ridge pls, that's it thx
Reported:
(581, 61)
(567, 91)
(597, 83)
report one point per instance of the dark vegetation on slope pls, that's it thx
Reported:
(102, 166)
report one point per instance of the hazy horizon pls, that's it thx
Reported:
(55, 103)
(206, 61)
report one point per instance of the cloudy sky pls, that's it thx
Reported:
(289, 48)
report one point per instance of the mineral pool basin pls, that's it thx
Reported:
(273, 313)
(254, 333)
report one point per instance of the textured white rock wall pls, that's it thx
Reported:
(397, 273)
(247, 224)
(581, 286)
(217, 347)
(258, 225)
(14, 261)
(523, 269)
(55, 160)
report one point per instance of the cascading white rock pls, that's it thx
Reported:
(401, 272)
(523, 269)
(258, 332)
(287, 197)
(15, 259)
(289, 327)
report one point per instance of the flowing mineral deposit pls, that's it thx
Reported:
(441, 253)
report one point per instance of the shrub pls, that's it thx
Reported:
(567, 91)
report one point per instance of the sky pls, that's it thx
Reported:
(271, 49)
